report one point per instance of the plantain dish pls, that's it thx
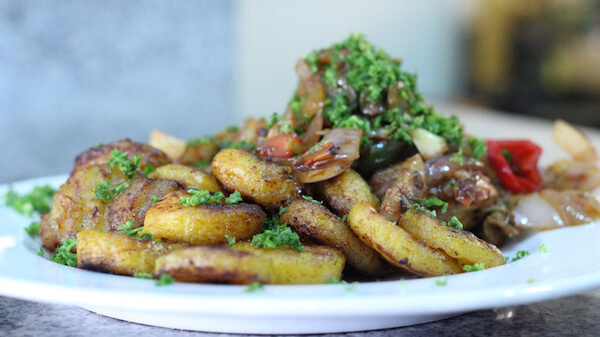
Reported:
(357, 179)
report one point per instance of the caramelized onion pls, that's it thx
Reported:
(336, 152)
(550, 209)
(575, 142)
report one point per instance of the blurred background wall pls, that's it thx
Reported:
(77, 73)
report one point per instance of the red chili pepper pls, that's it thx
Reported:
(520, 174)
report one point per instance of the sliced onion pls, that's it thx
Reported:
(575, 142)
(312, 134)
(429, 144)
(550, 209)
(172, 146)
(336, 152)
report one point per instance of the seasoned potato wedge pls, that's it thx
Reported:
(459, 244)
(118, 253)
(187, 176)
(316, 221)
(243, 263)
(203, 224)
(268, 184)
(100, 154)
(397, 246)
(346, 189)
(73, 207)
(133, 203)
(411, 183)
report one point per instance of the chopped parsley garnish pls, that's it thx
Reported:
(309, 198)
(478, 147)
(33, 229)
(432, 202)
(39, 200)
(199, 141)
(507, 155)
(423, 203)
(203, 197)
(454, 222)
(543, 248)
(285, 128)
(277, 236)
(440, 282)
(475, 267)
(360, 77)
(334, 280)
(254, 287)
(274, 119)
(229, 144)
(156, 200)
(103, 191)
(165, 280)
(41, 253)
(520, 254)
(149, 169)
(63, 254)
(202, 164)
(530, 281)
(143, 275)
(345, 218)
(127, 165)
(457, 157)
(431, 213)
(234, 198)
(230, 239)
(127, 228)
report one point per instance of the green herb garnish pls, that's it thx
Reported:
(254, 287)
(149, 169)
(63, 254)
(454, 222)
(103, 191)
(475, 267)
(543, 248)
(127, 165)
(33, 229)
(478, 147)
(156, 200)
(309, 198)
(230, 239)
(520, 254)
(165, 280)
(278, 236)
(143, 275)
(359, 76)
(199, 141)
(39, 200)
(229, 144)
(203, 197)
(432, 202)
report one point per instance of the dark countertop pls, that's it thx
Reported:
(571, 316)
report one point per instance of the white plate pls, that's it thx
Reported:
(567, 268)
